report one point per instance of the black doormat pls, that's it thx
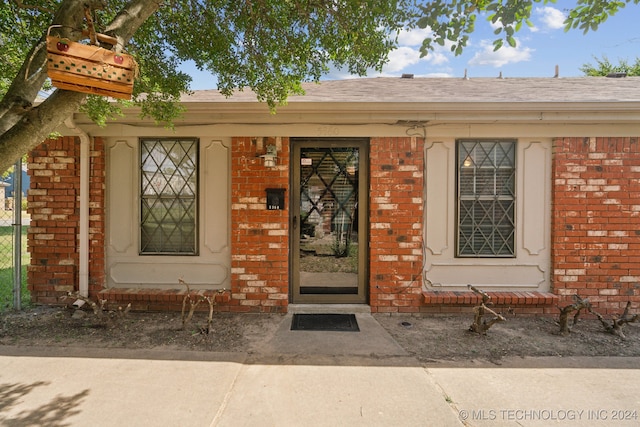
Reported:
(324, 290)
(325, 322)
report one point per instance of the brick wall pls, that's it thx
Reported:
(97, 217)
(595, 233)
(396, 217)
(259, 237)
(596, 221)
(53, 202)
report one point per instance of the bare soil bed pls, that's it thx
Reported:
(426, 338)
(58, 327)
(448, 338)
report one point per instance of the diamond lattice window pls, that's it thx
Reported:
(486, 198)
(329, 192)
(169, 188)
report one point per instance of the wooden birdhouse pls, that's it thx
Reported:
(89, 69)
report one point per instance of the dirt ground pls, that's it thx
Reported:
(431, 339)
(428, 339)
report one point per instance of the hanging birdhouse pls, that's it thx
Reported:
(89, 69)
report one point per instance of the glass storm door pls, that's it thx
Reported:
(329, 220)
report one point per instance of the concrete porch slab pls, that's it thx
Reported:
(371, 340)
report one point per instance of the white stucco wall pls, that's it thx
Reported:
(125, 267)
(530, 268)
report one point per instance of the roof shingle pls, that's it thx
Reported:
(452, 90)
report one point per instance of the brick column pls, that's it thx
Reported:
(596, 221)
(396, 221)
(97, 219)
(259, 237)
(53, 202)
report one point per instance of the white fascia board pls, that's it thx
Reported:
(253, 113)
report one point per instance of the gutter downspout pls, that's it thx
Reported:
(83, 232)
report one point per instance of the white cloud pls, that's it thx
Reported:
(551, 17)
(442, 74)
(413, 37)
(339, 74)
(501, 57)
(495, 25)
(401, 58)
(405, 57)
(438, 56)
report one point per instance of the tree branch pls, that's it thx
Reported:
(22, 127)
(24, 88)
(37, 124)
(130, 19)
(212, 302)
(577, 306)
(99, 308)
(485, 296)
(480, 325)
(193, 304)
(618, 322)
(17, 117)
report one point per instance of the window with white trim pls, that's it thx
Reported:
(168, 196)
(486, 184)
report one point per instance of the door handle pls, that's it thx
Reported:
(295, 222)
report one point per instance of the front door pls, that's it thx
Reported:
(329, 220)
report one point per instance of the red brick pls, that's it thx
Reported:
(607, 260)
(611, 167)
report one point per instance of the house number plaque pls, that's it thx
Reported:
(275, 199)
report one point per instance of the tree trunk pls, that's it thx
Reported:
(618, 322)
(22, 126)
(37, 124)
(577, 306)
(479, 325)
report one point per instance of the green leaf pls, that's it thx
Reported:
(270, 46)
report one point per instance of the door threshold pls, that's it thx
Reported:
(328, 308)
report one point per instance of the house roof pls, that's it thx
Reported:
(588, 104)
(451, 90)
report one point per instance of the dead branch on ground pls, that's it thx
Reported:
(193, 300)
(100, 308)
(212, 302)
(579, 305)
(617, 323)
(480, 325)
(97, 307)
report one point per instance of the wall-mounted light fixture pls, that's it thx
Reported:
(271, 156)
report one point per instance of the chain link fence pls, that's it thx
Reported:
(14, 222)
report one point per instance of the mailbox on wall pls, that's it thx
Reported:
(275, 198)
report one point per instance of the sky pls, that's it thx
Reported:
(538, 50)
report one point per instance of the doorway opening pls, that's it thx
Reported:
(329, 213)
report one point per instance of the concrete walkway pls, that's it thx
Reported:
(302, 378)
